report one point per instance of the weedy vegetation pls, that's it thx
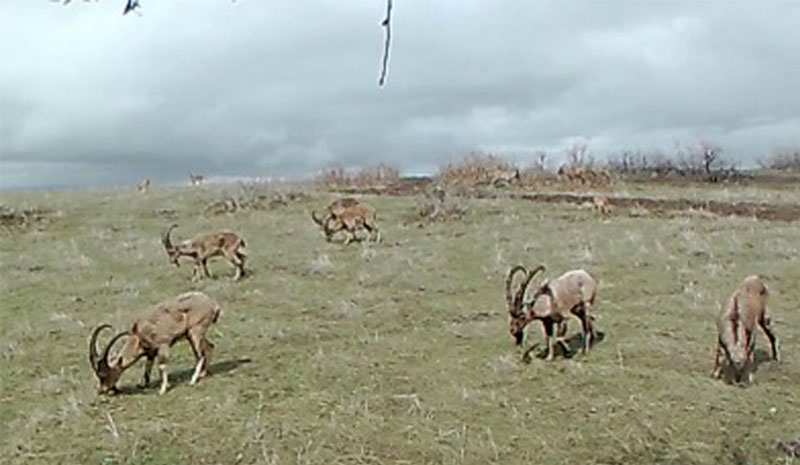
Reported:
(398, 352)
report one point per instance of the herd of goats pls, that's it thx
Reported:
(571, 295)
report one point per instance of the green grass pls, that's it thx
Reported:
(394, 353)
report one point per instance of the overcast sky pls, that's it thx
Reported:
(286, 87)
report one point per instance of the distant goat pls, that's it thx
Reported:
(350, 215)
(196, 179)
(203, 246)
(736, 322)
(501, 178)
(334, 210)
(601, 204)
(187, 316)
(570, 295)
(143, 186)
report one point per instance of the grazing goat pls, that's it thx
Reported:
(153, 332)
(350, 215)
(143, 186)
(736, 323)
(336, 208)
(601, 204)
(203, 246)
(196, 179)
(570, 295)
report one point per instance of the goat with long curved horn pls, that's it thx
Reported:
(317, 219)
(517, 318)
(221, 242)
(187, 316)
(94, 357)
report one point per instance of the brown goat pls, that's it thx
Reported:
(601, 204)
(187, 316)
(502, 178)
(203, 246)
(336, 208)
(570, 295)
(736, 323)
(350, 215)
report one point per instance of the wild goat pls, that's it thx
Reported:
(203, 246)
(350, 215)
(187, 316)
(196, 179)
(501, 178)
(570, 295)
(336, 208)
(143, 186)
(735, 325)
(601, 204)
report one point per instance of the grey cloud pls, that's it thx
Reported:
(89, 96)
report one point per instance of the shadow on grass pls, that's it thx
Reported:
(571, 346)
(730, 376)
(183, 376)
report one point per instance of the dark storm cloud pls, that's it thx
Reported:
(257, 88)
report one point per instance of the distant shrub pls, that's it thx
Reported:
(257, 195)
(479, 168)
(18, 219)
(375, 176)
(580, 169)
(435, 205)
(701, 161)
(783, 160)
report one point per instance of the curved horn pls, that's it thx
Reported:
(520, 295)
(512, 308)
(165, 239)
(93, 356)
(104, 357)
(316, 218)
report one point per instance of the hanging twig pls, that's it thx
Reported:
(387, 23)
(131, 6)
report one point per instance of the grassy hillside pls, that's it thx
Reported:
(394, 353)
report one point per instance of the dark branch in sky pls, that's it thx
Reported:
(131, 6)
(387, 23)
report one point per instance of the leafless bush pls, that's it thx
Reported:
(782, 160)
(257, 195)
(14, 219)
(436, 205)
(702, 161)
(581, 170)
(654, 164)
(477, 168)
(376, 176)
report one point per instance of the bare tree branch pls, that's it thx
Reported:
(131, 6)
(387, 23)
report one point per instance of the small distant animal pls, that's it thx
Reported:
(187, 316)
(736, 323)
(143, 186)
(601, 204)
(501, 178)
(203, 246)
(350, 215)
(196, 179)
(336, 208)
